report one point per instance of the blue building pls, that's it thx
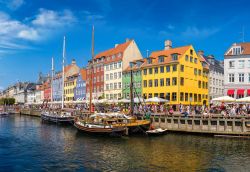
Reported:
(57, 87)
(80, 90)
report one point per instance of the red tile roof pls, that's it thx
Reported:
(167, 54)
(245, 48)
(120, 48)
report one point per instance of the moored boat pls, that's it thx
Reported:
(57, 116)
(156, 132)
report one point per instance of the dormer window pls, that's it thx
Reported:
(236, 50)
(160, 59)
(131, 64)
(149, 61)
(138, 63)
(174, 57)
(113, 56)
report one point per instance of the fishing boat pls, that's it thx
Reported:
(3, 113)
(62, 116)
(58, 116)
(99, 126)
(156, 132)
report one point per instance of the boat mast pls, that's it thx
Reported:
(131, 93)
(52, 77)
(63, 72)
(91, 68)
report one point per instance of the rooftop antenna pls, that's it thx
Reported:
(243, 34)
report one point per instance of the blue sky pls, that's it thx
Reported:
(31, 32)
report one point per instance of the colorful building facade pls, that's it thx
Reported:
(176, 74)
(135, 69)
(80, 90)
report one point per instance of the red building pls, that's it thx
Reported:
(47, 91)
(97, 77)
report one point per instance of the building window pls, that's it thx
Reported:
(181, 96)
(111, 66)
(174, 68)
(107, 86)
(174, 81)
(199, 72)
(149, 61)
(162, 82)
(144, 71)
(231, 77)
(195, 60)
(111, 86)
(174, 57)
(186, 58)
(162, 69)
(115, 65)
(195, 71)
(236, 50)
(231, 64)
(182, 81)
(182, 68)
(150, 70)
(248, 63)
(115, 85)
(156, 70)
(144, 83)
(119, 85)
(241, 77)
(241, 64)
(150, 84)
(191, 52)
(111, 76)
(119, 75)
(168, 96)
(191, 59)
(156, 82)
(119, 64)
(167, 68)
(186, 97)
(167, 81)
(160, 59)
(199, 84)
(174, 97)
(115, 75)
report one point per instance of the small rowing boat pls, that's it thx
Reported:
(156, 132)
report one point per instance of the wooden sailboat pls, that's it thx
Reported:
(89, 125)
(62, 116)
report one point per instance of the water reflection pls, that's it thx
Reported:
(27, 143)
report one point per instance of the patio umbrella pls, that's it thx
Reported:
(124, 101)
(245, 99)
(138, 100)
(156, 100)
(224, 99)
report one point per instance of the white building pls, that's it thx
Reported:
(216, 75)
(116, 60)
(237, 70)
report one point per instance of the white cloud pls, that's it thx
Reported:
(12, 4)
(17, 34)
(30, 34)
(170, 27)
(194, 32)
(49, 18)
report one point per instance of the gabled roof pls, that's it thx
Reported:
(167, 53)
(83, 74)
(245, 48)
(135, 67)
(118, 49)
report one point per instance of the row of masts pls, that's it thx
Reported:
(91, 73)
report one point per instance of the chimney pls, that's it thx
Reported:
(201, 52)
(168, 45)
(210, 56)
(73, 62)
(127, 39)
(116, 45)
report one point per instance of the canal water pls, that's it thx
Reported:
(27, 144)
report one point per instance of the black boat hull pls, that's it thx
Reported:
(55, 119)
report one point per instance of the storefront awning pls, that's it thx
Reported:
(240, 92)
(248, 92)
(230, 92)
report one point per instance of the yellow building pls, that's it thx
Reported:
(176, 74)
(71, 74)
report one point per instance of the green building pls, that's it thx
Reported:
(135, 67)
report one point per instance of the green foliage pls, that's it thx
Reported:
(7, 101)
